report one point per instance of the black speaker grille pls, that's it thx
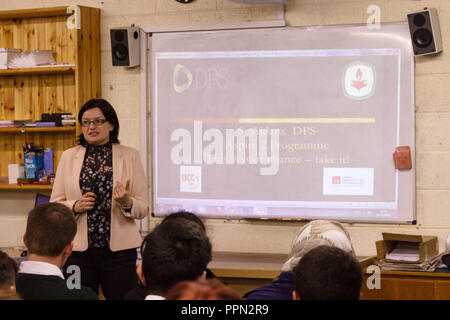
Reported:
(120, 52)
(421, 33)
(419, 20)
(120, 47)
(422, 38)
(120, 35)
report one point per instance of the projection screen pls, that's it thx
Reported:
(284, 123)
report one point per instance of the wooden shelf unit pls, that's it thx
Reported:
(34, 13)
(28, 187)
(4, 185)
(38, 71)
(27, 93)
(37, 129)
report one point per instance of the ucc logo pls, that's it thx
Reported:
(177, 71)
(359, 81)
(190, 179)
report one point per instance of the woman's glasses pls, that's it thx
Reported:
(96, 122)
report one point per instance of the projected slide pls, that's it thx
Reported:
(280, 133)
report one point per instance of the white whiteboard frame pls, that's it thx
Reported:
(247, 25)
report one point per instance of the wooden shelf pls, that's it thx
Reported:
(4, 185)
(38, 70)
(30, 187)
(38, 129)
(26, 93)
(34, 13)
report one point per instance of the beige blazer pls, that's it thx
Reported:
(126, 166)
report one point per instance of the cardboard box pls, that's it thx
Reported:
(33, 162)
(48, 161)
(426, 245)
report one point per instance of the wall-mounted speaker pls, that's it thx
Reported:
(125, 46)
(425, 32)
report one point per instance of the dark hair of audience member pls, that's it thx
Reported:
(50, 228)
(174, 251)
(209, 289)
(8, 270)
(8, 275)
(184, 215)
(328, 273)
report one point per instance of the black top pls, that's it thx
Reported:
(97, 176)
(42, 287)
(279, 289)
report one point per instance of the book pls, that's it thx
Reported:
(20, 123)
(45, 124)
(48, 161)
(6, 123)
(68, 122)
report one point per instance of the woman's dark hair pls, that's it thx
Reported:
(110, 116)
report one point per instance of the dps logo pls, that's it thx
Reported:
(200, 78)
(358, 81)
(182, 78)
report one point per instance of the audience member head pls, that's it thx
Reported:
(174, 251)
(314, 234)
(8, 275)
(202, 289)
(184, 215)
(327, 273)
(50, 231)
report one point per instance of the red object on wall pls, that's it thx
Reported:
(402, 158)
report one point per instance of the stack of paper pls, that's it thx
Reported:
(405, 251)
(6, 123)
(15, 171)
(30, 59)
(428, 265)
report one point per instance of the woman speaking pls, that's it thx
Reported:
(103, 183)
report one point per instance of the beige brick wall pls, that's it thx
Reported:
(121, 86)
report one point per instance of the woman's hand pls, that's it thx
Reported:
(122, 194)
(86, 203)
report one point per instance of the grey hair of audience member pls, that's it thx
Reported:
(317, 233)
